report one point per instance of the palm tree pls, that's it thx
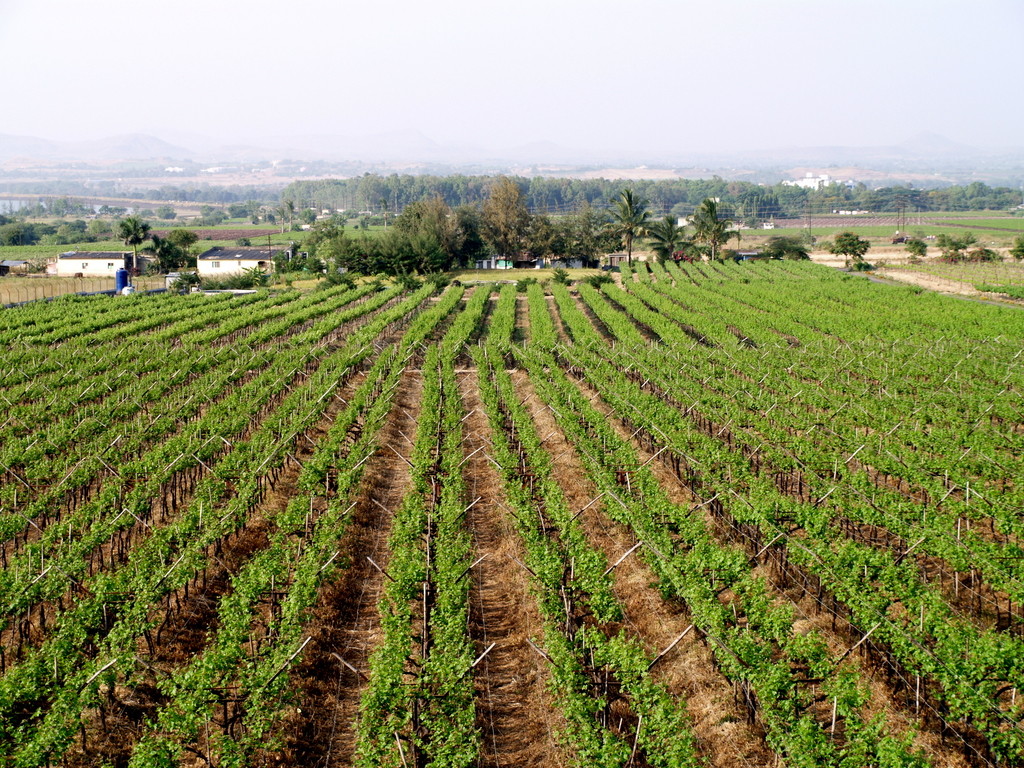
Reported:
(709, 228)
(668, 237)
(629, 220)
(133, 231)
(166, 253)
(287, 212)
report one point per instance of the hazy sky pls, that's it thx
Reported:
(629, 75)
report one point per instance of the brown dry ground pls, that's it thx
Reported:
(931, 282)
(515, 714)
(720, 724)
(346, 622)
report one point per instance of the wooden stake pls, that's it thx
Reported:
(542, 653)
(100, 671)
(856, 645)
(379, 568)
(630, 551)
(350, 667)
(636, 738)
(673, 644)
(401, 752)
(481, 656)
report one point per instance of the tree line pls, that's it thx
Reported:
(431, 236)
(744, 201)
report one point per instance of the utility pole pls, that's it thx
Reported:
(901, 213)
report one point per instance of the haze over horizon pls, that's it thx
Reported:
(654, 77)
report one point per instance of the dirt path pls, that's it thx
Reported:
(720, 725)
(346, 622)
(931, 282)
(515, 715)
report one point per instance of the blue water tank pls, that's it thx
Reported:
(120, 279)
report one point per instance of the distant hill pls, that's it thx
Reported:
(132, 146)
(926, 158)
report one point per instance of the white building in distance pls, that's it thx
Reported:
(810, 181)
(93, 263)
(219, 261)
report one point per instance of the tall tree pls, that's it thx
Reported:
(133, 231)
(1017, 251)
(505, 218)
(629, 219)
(435, 219)
(471, 226)
(851, 246)
(588, 234)
(184, 239)
(666, 237)
(287, 213)
(710, 228)
(166, 253)
(544, 238)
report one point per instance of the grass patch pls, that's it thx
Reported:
(1013, 291)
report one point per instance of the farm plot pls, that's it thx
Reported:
(757, 514)
(1002, 278)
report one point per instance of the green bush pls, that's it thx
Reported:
(340, 278)
(409, 282)
(439, 280)
(596, 281)
(245, 280)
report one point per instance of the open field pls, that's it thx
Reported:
(209, 237)
(755, 514)
(998, 273)
(1001, 280)
(224, 236)
(1015, 224)
(995, 230)
(882, 234)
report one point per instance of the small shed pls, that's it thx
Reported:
(12, 265)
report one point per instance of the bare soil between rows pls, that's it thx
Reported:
(345, 627)
(514, 712)
(723, 732)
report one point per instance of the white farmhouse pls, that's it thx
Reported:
(218, 262)
(94, 263)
